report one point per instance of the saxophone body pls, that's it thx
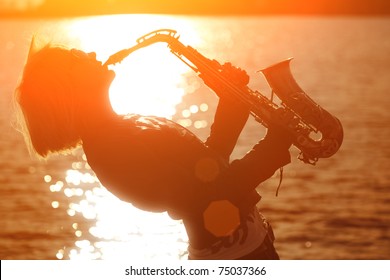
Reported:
(316, 132)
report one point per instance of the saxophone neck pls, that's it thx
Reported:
(121, 55)
(161, 35)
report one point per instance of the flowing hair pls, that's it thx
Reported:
(46, 106)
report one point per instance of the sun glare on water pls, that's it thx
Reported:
(147, 82)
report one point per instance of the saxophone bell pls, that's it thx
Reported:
(318, 133)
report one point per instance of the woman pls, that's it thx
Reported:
(152, 162)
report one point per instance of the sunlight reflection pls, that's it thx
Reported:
(118, 229)
(147, 83)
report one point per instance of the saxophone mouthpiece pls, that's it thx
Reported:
(117, 57)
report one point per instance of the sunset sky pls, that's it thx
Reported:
(84, 7)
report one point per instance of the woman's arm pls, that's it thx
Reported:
(231, 114)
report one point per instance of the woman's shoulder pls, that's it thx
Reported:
(134, 128)
(149, 122)
(150, 125)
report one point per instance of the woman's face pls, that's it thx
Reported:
(89, 73)
(90, 81)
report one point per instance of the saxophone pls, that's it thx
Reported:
(316, 133)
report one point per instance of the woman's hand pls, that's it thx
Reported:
(229, 74)
(278, 137)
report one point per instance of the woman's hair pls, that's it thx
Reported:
(45, 102)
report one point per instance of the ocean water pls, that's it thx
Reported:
(338, 209)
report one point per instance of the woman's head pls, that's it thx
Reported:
(58, 88)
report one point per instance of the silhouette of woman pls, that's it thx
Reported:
(151, 162)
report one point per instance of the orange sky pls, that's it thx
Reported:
(81, 7)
